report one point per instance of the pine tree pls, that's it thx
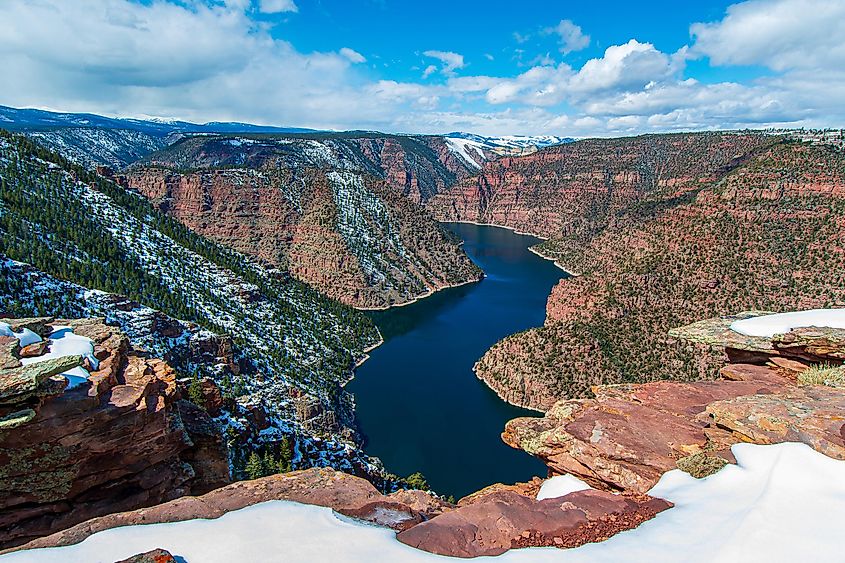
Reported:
(285, 457)
(254, 466)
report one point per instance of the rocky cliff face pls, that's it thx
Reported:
(629, 435)
(317, 210)
(121, 440)
(717, 232)
(350, 236)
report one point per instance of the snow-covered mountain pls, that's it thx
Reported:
(17, 119)
(476, 149)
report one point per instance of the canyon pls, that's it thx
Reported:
(230, 268)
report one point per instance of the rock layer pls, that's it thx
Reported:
(117, 442)
(340, 215)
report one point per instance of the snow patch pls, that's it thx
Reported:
(460, 146)
(783, 502)
(25, 337)
(781, 323)
(63, 342)
(560, 486)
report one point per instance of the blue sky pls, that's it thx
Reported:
(495, 67)
(393, 35)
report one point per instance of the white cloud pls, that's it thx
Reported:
(450, 61)
(631, 65)
(204, 60)
(571, 37)
(779, 34)
(277, 6)
(352, 55)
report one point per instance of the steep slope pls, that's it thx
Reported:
(663, 230)
(293, 347)
(317, 208)
(90, 147)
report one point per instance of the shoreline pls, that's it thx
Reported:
(365, 354)
(499, 395)
(421, 296)
(524, 233)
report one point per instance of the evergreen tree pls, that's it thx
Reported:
(254, 466)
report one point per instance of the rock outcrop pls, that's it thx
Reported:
(122, 440)
(629, 435)
(506, 520)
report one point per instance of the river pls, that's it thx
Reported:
(419, 403)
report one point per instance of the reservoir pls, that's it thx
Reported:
(419, 404)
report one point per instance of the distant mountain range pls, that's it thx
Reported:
(35, 119)
(91, 139)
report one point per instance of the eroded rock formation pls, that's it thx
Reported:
(122, 440)
(663, 230)
(340, 214)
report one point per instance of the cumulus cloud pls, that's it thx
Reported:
(779, 34)
(450, 62)
(571, 37)
(277, 6)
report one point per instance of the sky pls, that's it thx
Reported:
(570, 68)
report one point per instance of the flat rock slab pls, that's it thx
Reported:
(506, 520)
(717, 333)
(630, 435)
(812, 414)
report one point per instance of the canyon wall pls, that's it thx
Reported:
(319, 210)
(663, 230)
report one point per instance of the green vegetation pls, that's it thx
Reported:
(701, 465)
(270, 463)
(823, 374)
(417, 481)
(46, 221)
(718, 235)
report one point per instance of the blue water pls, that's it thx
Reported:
(419, 403)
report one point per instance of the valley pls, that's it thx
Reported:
(419, 405)
(368, 303)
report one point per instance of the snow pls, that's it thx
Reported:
(561, 485)
(512, 141)
(784, 502)
(25, 337)
(63, 342)
(781, 323)
(459, 147)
